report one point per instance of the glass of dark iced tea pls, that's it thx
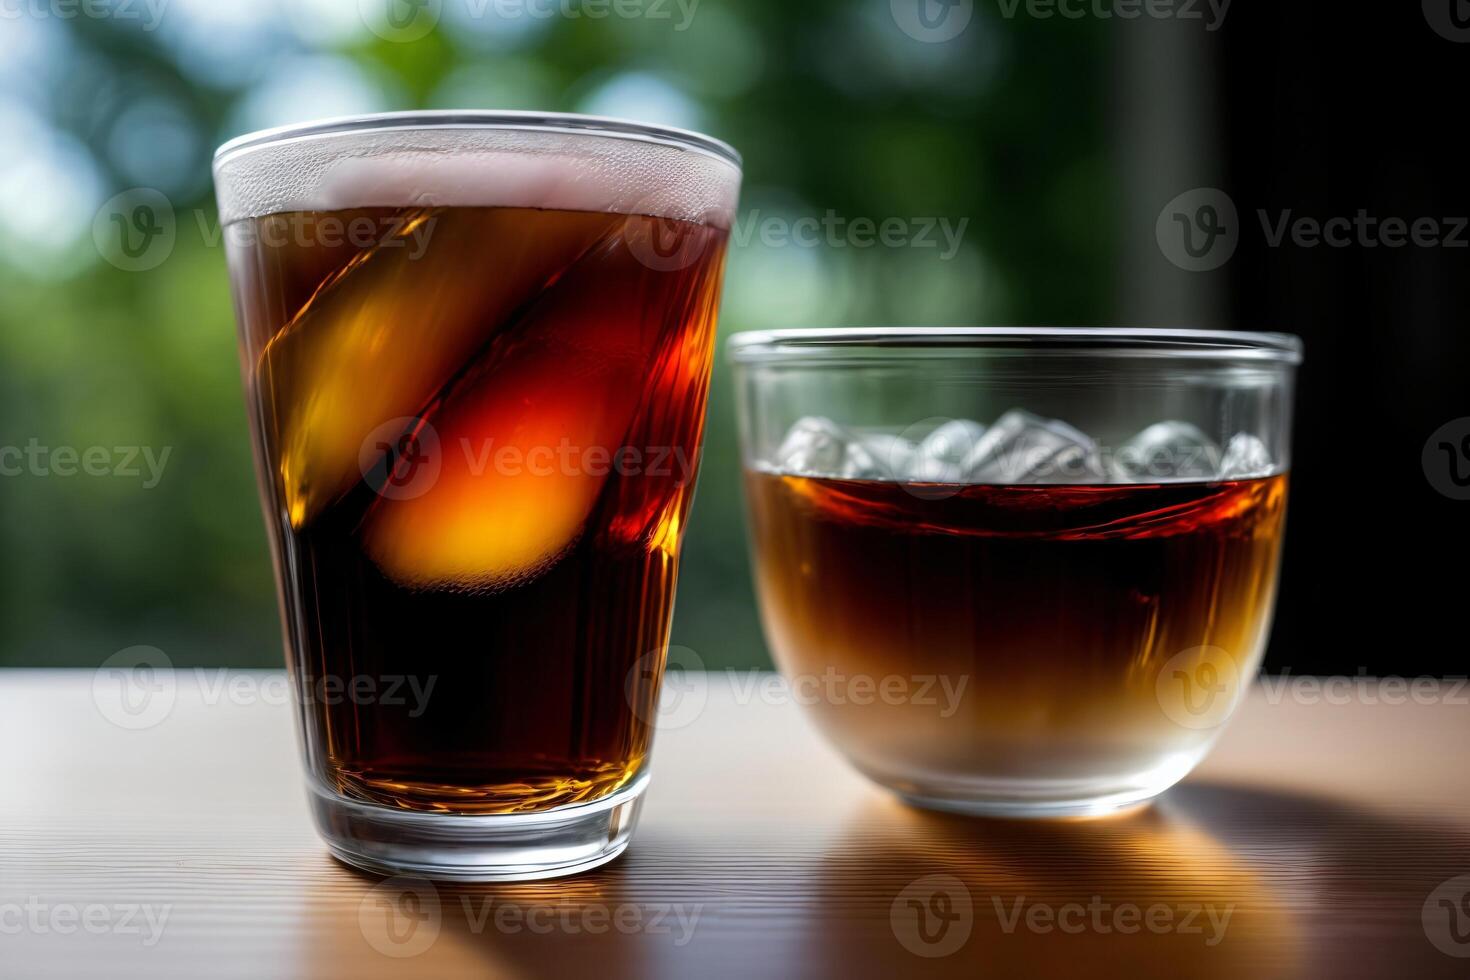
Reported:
(476, 351)
(1018, 572)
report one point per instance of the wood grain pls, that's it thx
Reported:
(1314, 836)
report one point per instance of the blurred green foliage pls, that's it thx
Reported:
(833, 107)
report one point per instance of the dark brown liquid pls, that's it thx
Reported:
(477, 438)
(1051, 610)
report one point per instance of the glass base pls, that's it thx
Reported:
(497, 847)
(1025, 809)
(1023, 798)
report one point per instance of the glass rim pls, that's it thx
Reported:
(508, 119)
(799, 344)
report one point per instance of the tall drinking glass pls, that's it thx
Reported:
(476, 352)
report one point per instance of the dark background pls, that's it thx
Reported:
(1060, 139)
(1327, 110)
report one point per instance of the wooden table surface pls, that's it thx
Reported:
(1319, 840)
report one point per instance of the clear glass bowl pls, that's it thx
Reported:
(1017, 571)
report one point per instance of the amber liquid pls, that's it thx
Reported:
(476, 574)
(1051, 610)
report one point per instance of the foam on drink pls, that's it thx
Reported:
(480, 168)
